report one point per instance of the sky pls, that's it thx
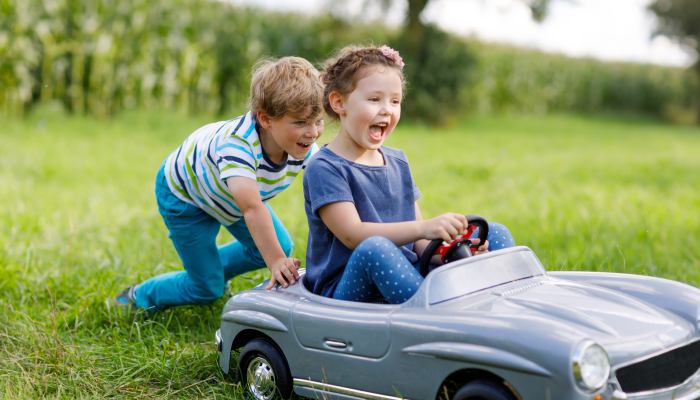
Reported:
(611, 30)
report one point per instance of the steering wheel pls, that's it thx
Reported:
(459, 248)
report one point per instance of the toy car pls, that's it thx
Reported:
(495, 326)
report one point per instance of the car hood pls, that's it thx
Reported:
(624, 325)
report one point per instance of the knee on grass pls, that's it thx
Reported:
(208, 294)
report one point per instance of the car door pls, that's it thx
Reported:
(341, 338)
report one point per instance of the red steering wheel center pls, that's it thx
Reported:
(442, 250)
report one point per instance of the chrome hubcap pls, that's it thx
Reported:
(261, 379)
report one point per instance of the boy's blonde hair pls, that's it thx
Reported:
(288, 86)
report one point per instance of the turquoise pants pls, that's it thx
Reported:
(207, 267)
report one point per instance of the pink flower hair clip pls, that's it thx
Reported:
(393, 55)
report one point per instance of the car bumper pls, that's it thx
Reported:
(217, 340)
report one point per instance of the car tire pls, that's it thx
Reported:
(482, 390)
(263, 371)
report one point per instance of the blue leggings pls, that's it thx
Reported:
(377, 269)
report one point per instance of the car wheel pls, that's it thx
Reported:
(263, 371)
(482, 390)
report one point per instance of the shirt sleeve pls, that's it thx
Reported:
(235, 157)
(325, 184)
(416, 192)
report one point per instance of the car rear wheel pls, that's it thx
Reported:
(263, 371)
(482, 390)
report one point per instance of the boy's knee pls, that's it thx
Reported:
(208, 294)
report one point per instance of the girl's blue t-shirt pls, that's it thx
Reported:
(381, 194)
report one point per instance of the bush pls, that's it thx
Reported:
(508, 79)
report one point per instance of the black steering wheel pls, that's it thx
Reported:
(459, 248)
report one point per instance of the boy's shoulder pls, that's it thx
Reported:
(241, 127)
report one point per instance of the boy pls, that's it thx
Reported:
(224, 174)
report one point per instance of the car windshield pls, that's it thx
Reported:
(483, 273)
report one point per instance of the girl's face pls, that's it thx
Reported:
(373, 109)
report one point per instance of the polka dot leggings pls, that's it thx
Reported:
(377, 269)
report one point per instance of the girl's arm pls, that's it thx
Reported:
(344, 221)
(420, 244)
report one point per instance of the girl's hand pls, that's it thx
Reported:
(484, 248)
(446, 227)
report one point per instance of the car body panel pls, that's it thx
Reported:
(254, 319)
(525, 332)
(357, 332)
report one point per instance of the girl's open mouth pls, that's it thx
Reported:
(376, 131)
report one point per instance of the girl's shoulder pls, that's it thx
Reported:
(322, 160)
(395, 154)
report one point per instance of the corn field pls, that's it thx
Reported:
(101, 56)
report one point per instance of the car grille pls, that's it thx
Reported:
(663, 371)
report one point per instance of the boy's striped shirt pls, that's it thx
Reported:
(197, 170)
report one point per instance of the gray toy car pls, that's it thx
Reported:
(493, 327)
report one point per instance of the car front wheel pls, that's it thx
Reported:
(482, 390)
(263, 371)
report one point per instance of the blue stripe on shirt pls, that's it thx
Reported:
(274, 190)
(233, 146)
(250, 130)
(222, 198)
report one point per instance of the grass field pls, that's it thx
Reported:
(78, 222)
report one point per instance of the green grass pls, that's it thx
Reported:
(78, 222)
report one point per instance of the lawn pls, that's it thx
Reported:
(78, 222)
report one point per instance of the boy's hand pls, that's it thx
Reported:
(446, 227)
(283, 270)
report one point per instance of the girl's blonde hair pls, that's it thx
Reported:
(341, 73)
(288, 86)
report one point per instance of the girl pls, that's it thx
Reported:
(366, 232)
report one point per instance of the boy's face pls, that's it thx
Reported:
(294, 135)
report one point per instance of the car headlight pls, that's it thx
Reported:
(591, 365)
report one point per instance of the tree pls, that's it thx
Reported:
(415, 29)
(680, 20)
(438, 65)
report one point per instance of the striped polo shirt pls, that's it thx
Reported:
(196, 171)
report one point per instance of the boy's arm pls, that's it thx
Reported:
(257, 217)
(344, 221)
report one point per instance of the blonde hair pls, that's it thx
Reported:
(340, 74)
(288, 86)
